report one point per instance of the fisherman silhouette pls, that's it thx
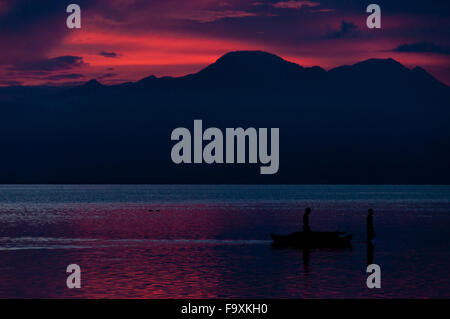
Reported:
(306, 228)
(369, 226)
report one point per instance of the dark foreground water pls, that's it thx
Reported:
(213, 241)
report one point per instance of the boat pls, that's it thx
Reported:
(313, 239)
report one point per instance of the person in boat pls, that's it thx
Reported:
(306, 228)
(369, 226)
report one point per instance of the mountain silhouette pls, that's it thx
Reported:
(256, 65)
(261, 73)
(372, 122)
(386, 75)
(257, 71)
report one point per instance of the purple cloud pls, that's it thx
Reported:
(346, 30)
(66, 62)
(422, 47)
(106, 75)
(292, 4)
(108, 54)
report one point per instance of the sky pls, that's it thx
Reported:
(127, 40)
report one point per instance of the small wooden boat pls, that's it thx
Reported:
(313, 239)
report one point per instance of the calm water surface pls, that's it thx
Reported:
(186, 241)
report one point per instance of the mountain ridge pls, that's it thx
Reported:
(262, 73)
(260, 58)
(235, 60)
(374, 123)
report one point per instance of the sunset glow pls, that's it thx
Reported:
(127, 40)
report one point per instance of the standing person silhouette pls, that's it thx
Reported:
(306, 228)
(369, 226)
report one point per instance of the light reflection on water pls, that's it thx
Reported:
(218, 246)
